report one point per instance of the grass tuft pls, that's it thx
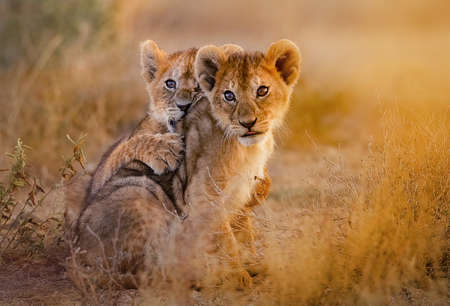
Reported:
(394, 238)
(22, 231)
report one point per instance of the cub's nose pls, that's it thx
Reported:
(184, 107)
(248, 124)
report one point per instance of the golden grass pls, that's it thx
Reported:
(395, 235)
(315, 114)
(67, 99)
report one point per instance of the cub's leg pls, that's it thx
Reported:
(242, 226)
(120, 234)
(241, 223)
(231, 248)
(240, 230)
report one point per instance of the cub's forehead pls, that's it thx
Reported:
(244, 62)
(181, 64)
(245, 70)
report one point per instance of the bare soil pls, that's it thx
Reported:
(41, 281)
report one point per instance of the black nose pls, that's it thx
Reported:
(184, 107)
(248, 124)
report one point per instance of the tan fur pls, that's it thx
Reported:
(242, 223)
(225, 173)
(221, 163)
(154, 142)
(151, 142)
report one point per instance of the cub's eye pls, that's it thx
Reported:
(262, 91)
(171, 84)
(229, 96)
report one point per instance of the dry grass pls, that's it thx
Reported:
(358, 213)
(23, 230)
(390, 238)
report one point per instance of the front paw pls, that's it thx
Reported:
(262, 187)
(167, 153)
(244, 280)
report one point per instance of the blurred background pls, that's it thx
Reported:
(358, 210)
(72, 67)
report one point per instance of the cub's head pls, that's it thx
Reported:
(170, 81)
(248, 91)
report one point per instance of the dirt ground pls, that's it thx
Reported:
(37, 282)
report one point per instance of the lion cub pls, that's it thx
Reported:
(248, 96)
(155, 147)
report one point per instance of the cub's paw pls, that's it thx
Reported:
(165, 154)
(261, 190)
(244, 280)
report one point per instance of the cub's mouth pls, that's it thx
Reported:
(251, 134)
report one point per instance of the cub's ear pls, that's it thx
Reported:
(151, 59)
(286, 58)
(229, 49)
(207, 63)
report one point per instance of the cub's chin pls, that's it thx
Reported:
(252, 139)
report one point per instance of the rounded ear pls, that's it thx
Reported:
(286, 58)
(229, 49)
(151, 59)
(207, 62)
